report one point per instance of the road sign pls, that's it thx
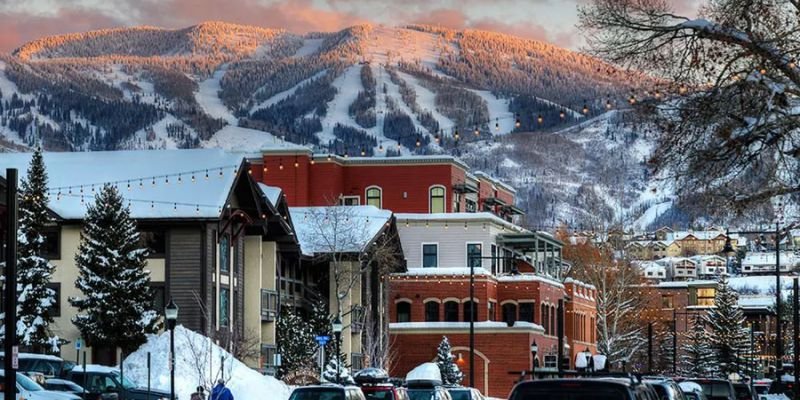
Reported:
(15, 357)
(78, 344)
(322, 339)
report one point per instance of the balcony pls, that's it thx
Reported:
(269, 305)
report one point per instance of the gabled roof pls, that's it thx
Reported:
(338, 229)
(73, 172)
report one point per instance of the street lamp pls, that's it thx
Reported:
(337, 332)
(534, 351)
(171, 312)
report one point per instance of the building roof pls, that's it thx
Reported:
(337, 229)
(69, 172)
(459, 217)
(273, 193)
(768, 258)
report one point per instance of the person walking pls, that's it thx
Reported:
(220, 392)
(199, 394)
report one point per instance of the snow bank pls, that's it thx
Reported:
(195, 353)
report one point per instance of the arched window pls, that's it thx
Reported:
(451, 311)
(432, 311)
(545, 319)
(470, 309)
(553, 328)
(437, 199)
(509, 313)
(374, 196)
(403, 311)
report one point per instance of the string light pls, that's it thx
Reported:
(380, 148)
(153, 182)
(220, 173)
(477, 131)
(129, 186)
(418, 143)
(280, 164)
(363, 152)
(608, 104)
(296, 164)
(180, 180)
(166, 180)
(540, 119)
(562, 114)
(496, 125)
(518, 123)
(312, 160)
(585, 110)
(455, 135)
(329, 157)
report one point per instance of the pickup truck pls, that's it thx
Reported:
(107, 383)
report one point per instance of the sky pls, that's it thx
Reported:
(549, 20)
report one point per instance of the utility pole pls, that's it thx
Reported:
(650, 348)
(472, 309)
(796, 338)
(10, 303)
(560, 333)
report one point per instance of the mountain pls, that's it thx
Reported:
(368, 89)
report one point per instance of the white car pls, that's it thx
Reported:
(27, 389)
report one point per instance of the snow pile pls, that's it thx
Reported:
(197, 362)
(690, 387)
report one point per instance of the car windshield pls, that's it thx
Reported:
(317, 394)
(569, 392)
(761, 389)
(716, 390)
(742, 392)
(459, 394)
(126, 383)
(423, 394)
(28, 383)
(385, 394)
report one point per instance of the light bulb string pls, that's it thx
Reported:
(147, 201)
(149, 180)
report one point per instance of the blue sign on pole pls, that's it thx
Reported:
(322, 340)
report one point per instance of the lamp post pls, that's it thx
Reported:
(337, 333)
(534, 351)
(171, 313)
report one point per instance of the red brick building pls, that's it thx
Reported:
(411, 184)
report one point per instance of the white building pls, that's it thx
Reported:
(764, 262)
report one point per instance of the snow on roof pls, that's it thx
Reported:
(496, 181)
(756, 301)
(425, 372)
(443, 271)
(102, 369)
(579, 283)
(407, 159)
(768, 258)
(201, 199)
(460, 217)
(763, 284)
(529, 278)
(461, 325)
(337, 229)
(272, 193)
(700, 235)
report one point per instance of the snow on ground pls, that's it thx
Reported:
(389, 45)
(509, 163)
(207, 97)
(237, 139)
(161, 139)
(195, 353)
(347, 85)
(426, 99)
(310, 46)
(9, 88)
(498, 110)
(286, 93)
(650, 216)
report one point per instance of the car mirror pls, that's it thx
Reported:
(112, 389)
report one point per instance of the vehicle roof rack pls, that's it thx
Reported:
(634, 378)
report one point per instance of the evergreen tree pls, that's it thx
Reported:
(34, 272)
(451, 374)
(331, 370)
(665, 350)
(296, 342)
(726, 324)
(116, 308)
(697, 359)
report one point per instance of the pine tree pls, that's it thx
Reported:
(451, 374)
(34, 272)
(697, 358)
(296, 341)
(726, 324)
(331, 370)
(664, 360)
(116, 307)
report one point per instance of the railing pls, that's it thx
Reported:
(269, 305)
(357, 319)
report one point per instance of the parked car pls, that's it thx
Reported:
(384, 391)
(27, 389)
(425, 383)
(786, 386)
(612, 388)
(63, 385)
(47, 365)
(761, 387)
(692, 391)
(716, 389)
(742, 391)
(428, 393)
(464, 393)
(666, 388)
(107, 383)
(327, 392)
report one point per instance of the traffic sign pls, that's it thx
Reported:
(78, 344)
(322, 339)
(14, 357)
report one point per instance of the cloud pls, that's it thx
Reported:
(16, 29)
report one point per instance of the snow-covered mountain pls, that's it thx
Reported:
(368, 89)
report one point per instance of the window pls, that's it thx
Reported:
(553, 327)
(545, 319)
(430, 255)
(666, 301)
(470, 206)
(224, 302)
(526, 312)
(509, 313)
(159, 296)
(437, 199)
(451, 311)
(224, 254)
(268, 355)
(431, 311)
(474, 254)
(470, 311)
(403, 311)
(349, 200)
(374, 195)
(492, 311)
(356, 362)
(155, 241)
(494, 259)
(52, 244)
(705, 296)
(550, 362)
(55, 309)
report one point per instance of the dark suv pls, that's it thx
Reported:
(716, 389)
(582, 389)
(108, 384)
(384, 391)
(666, 388)
(327, 392)
(428, 393)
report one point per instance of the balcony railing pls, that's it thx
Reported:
(269, 305)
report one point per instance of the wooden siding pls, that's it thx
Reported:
(185, 274)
